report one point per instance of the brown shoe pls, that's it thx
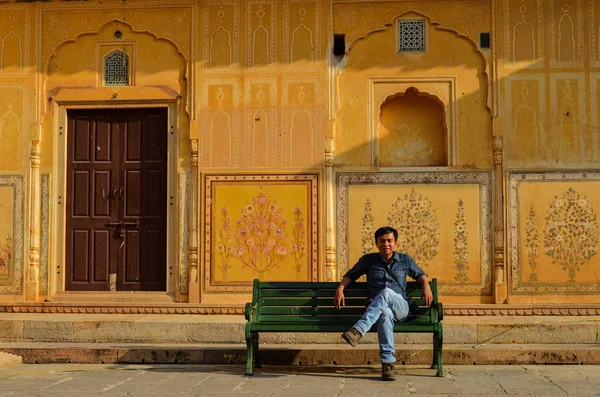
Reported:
(387, 371)
(352, 336)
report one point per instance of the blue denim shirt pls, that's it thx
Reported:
(373, 265)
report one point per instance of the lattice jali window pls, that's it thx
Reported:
(411, 36)
(116, 69)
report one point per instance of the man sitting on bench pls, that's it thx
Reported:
(386, 282)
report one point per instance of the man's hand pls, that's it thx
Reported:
(339, 299)
(428, 295)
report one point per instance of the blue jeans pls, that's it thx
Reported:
(386, 308)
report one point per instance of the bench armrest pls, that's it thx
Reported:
(440, 310)
(249, 310)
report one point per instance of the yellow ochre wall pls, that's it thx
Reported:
(486, 159)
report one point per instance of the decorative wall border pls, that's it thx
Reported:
(187, 308)
(44, 233)
(510, 63)
(287, 57)
(555, 111)
(270, 110)
(272, 35)
(235, 46)
(482, 178)
(514, 180)
(578, 45)
(16, 182)
(234, 115)
(25, 50)
(541, 83)
(313, 233)
(184, 189)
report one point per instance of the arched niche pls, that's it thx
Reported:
(412, 131)
(434, 98)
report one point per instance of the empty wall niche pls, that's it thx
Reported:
(412, 131)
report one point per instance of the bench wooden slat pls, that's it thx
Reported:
(335, 328)
(358, 302)
(321, 310)
(339, 318)
(323, 293)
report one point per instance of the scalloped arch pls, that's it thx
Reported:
(437, 25)
(101, 30)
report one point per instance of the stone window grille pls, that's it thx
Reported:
(411, 36)
(116, 69)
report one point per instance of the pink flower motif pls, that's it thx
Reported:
(262, 200)
(281, 250)
(239, 251)
(250, 242)
(254, 250)
(268, 249)
(299, 225)
(294, 247)
(224, 211)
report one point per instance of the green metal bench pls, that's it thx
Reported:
(308, 307)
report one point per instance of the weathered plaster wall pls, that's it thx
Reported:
(260, 94)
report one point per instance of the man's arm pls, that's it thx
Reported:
(339, 300)
(427, 294)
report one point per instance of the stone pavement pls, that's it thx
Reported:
(358, 381)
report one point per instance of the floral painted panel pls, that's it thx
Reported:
(262, 227)
(11, 234)
(554, 232)
(443, 221)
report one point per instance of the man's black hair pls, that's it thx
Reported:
(382, 231)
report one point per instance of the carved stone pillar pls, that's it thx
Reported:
(194, 280)
(330, 260)
(33, 272)
(500, 289)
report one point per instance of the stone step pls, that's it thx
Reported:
(303, 354)
(8, 360)
(183, 329)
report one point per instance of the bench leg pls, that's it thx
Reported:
(257, 362)
(249, 351)
(434, 354)
(440, 343)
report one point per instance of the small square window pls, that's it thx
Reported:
(411, 36)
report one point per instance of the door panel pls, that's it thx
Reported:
(116, 199)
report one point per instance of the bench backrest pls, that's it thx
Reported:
(281, 302)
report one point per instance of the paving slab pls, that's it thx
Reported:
(192, 380)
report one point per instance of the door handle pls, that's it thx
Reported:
(121, 190)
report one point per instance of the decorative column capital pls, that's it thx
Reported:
(35, 154)
(329, 150)
(497, 149)
(194, 152)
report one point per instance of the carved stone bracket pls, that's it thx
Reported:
(500, 287)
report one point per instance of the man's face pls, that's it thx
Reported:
(386, 245)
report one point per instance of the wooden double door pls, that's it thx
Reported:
(116, 204)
